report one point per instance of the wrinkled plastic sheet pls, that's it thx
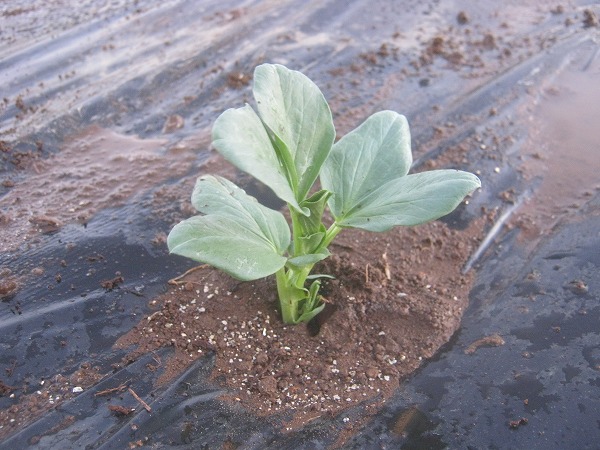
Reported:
(538, 390)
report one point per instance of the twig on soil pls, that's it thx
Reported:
(177, 280)
(120, 388)
(386, 267)
(142, 402)
(156, 359)
(494, 340)
(154, 314)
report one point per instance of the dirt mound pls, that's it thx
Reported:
(387, 311)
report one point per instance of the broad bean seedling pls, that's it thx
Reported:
(287, 144)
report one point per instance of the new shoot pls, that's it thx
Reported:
(287, 143)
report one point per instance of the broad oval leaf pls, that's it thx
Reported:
(225, 244)
(371, 155)
(411, 200)
(240, 136)
(295, 110)
(237, 235)
(215, 195)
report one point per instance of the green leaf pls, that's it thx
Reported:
(215, 195)
(309, 308)
(316, 205)
(367, 170)
(307, 316)
(226, 245)
(293, 108)
(238, 235)
(410, 200)
(305, 260)
(308, 244)
(371, 155)
(320, 275)
(240, 136)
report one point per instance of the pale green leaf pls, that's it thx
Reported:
(240, 136)
(215, 195)
(320, 275)
(315, 204)
(312, 258)
(237, 235)
(307, 316)
(309, 308)
(410, 200)
(371, 155)
(308, 244)
(227, 245)
(294, 109)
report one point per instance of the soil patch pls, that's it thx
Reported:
(96, 169)
(35, 400)
(396, 298)
(563, 181)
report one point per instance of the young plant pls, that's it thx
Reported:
(287, 145)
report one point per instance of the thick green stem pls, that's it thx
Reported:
(291, 291)
(291, 280)
(330, 235)
(287, 302)
(296, 233)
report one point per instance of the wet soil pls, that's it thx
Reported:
(86, 176)
(104, 126)
(386, 313)
(387, 310)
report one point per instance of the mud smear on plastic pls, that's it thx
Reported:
(80, 288)
(128, 68)
(95, 170)
(535, 295)
(564, 144)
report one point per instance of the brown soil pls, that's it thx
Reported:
(387, 313)
(35, 400)
(86, 176)
(396, 298)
